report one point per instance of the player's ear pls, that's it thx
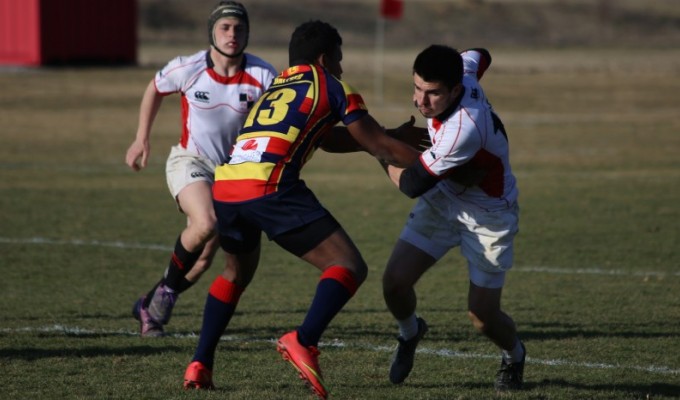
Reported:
(321, 60)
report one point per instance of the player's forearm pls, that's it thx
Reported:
(395, 153)
(148, 109)
(394, 173)
(371, 137)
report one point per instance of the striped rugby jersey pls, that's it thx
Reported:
(282, 131)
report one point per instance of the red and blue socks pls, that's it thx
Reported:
(219, 308)
(336, 286)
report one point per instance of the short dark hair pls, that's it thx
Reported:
(440, 63)
(310, 40)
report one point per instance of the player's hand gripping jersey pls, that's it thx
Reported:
(472, 135)
(282, 132)
(213, 106)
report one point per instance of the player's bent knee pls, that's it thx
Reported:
(359, 271)
(388, 282)
(204, 230)
(394, 285)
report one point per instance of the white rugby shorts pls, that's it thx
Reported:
(436, 224)
(185, 167)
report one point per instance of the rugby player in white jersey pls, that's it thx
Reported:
(467, 197)
(218, 87)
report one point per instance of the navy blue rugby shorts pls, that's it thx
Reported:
(293, 218)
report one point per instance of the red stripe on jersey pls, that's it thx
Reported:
(275, 177)
(306, 106)
(184, 139)
(242, 77)
(436, 124)
(494, 181)
(355, 102)
(277, 146)
(240, 190)
(315, 124)
(272, 184)
(483, 65)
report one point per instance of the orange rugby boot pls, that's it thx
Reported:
(198, 376)
(305, 361)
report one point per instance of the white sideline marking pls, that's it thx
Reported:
(595, 271)
(79, 242)
(142, 246)
(445, 353)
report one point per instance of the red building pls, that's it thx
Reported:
(68, 32)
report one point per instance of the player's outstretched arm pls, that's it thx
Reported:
(372, 137)
(137, 154)
(339, 140)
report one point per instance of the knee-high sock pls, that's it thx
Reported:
(219, 308)
(180, 263)
(336, 286)
(184, 285)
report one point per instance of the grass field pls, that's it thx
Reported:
(596, 149)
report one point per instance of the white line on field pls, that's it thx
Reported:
(79, 242)
(445, 353)
(143, 246)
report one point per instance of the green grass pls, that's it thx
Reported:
(594, 290)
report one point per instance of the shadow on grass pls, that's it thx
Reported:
(626, 390)
(559, 331)
(32, 353)
(622, 391)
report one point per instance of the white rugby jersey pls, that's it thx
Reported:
(472, 134)
(213, 107)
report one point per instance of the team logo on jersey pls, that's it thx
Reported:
(247, 99)
(250, 145)
(247, 151)
(202, 96)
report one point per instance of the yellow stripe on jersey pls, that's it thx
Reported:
(356, 101)
(246, 170)
(314, 95)
(288, 136)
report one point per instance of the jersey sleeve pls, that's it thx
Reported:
(348, 102)
(179, 73)
(456, 145)
(476, 62)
